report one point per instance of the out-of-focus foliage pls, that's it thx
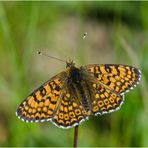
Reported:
(117, 33)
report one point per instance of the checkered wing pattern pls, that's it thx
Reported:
(43, 103)
(119, 78)
(70, 112)
(105, 100)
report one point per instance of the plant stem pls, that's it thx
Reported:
(75, 137)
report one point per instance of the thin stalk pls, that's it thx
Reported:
(75, 137)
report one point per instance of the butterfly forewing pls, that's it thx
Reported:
(43, 102)
(119, 78)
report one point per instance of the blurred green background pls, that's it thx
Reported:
(117, 33)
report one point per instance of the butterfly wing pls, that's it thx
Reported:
(119, 78)
(70, 112)
(105, 100)
(42, 104)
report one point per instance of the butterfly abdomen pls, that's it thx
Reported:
(79, 85)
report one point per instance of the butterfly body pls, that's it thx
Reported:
(71, 96)
(80, 87)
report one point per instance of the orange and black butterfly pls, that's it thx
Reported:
(73, 95)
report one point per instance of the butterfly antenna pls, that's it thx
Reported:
(84, 35)
(41, 53)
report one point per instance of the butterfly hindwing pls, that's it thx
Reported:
(42, 103)
(105, 100)
(120, 78)
(70, 112)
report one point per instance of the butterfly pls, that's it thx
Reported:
(75, 94)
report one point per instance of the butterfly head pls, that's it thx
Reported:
(70, 64)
